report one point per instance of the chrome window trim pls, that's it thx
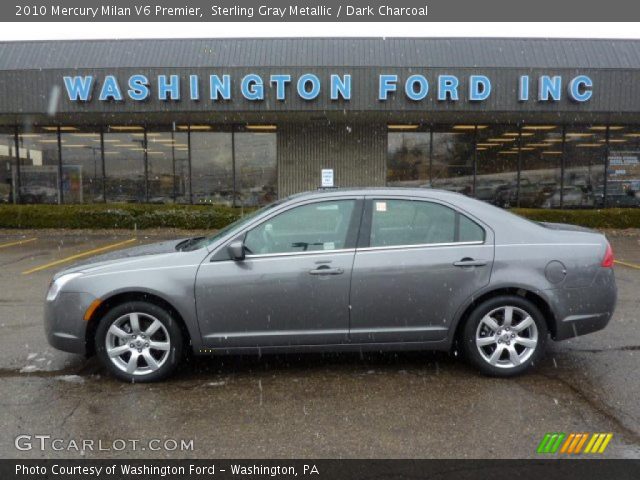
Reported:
(290, 254)
(422, 245)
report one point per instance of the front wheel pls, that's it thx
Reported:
(139, 342)
(505, 336)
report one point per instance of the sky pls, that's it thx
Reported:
(97, 30)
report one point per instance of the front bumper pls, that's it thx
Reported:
(583, 310)
(64, 322)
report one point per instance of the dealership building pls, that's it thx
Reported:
(515, 122)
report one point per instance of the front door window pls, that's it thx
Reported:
(313, 227)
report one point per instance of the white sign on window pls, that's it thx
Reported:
(327, 177)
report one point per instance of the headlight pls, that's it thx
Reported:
(57, 285)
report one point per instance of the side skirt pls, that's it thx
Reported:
(441, 345)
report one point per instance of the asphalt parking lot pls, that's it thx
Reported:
(382, 405)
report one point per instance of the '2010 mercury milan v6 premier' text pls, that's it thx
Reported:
(368, 269)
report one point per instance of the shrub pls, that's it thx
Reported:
(604, 218)
(129, 216)
(207, 217)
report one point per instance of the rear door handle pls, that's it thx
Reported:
(470, 262)
(326, 270)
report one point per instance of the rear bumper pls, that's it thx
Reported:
(585, 309)
(64, 322)
(576, 325)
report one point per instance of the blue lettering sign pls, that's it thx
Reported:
(252, 87)
(78, 88)
(110, 89)
(168, 90)
(549, 88)
(386, 84)
(281, 82)
(422, 87)
(580, 88)
(479, 88)
(220, 88)
(194, 87)
(138, 88)
(304, 81)
(447, 87)
(341, 87)
(523, 90)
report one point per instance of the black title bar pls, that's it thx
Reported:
(321, 469)
(317, 11)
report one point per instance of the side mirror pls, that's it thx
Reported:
(236, 250)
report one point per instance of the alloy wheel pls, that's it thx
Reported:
(137, 343)
(506, 337)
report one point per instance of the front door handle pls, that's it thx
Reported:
(470, 262)
(326, 270)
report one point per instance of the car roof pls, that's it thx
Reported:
(418, 192)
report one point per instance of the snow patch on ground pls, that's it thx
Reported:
(70, 378)
(29, 369)
(216, 384)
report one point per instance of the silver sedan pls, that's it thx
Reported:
(341, 270)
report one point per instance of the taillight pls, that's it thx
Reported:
(608, 259)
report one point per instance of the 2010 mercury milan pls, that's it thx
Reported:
(363, 269)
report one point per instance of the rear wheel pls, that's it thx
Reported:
(505, 336)
(139, 342)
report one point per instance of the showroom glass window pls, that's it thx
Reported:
(415, 222)
(453, 156)
(623, 174)
(168, 165)
(407, 157)
(585, 150)
(541, 154)
(81, 165)
(7, 165)
(39, 174)
(313, 227)
(211, 166)
(255, 168)
(497, 165)
(125, 164)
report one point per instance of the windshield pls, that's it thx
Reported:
(200, 242)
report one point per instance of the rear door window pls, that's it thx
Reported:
(397, 222)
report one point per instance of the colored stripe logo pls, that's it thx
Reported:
(574, 443)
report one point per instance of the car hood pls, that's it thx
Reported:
(123, 255)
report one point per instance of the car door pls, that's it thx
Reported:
(292, 288)
(417, 261)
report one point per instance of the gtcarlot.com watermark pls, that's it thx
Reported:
(49, 443)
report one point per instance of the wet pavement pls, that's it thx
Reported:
(382, 405)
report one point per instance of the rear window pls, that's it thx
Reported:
(470, 231)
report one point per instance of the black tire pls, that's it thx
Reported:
(167, 357)
(508, 338)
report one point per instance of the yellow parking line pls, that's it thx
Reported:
(630, 265)
(79, 255)
(18, 242)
